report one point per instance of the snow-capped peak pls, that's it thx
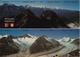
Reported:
(65, 40)
(27, 35)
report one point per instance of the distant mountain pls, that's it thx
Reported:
(10, 10)
(13, 10)
(66, 40)
(33, 16)
(70, 15)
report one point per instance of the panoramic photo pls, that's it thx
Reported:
(39, 14)
(39, 43)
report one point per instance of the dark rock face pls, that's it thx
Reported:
(76, 42)
(52, 19)
(74, 53)
(7, 46)
(49, 18)
(49, 13)
(55, 43)
(40, 45)
(27, 19)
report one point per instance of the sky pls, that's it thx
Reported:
(63, 4)
(52, 33)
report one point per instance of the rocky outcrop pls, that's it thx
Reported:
(49, 18)
(7, 46)
(74, 53)
(76, 42)
(55, 43)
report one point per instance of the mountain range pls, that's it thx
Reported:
(11, 45)
(24, 16)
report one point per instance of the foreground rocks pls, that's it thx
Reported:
(7, 46)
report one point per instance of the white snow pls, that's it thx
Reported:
(65, 40)
(1, 36)
(25, 42)
(72, 25)
(67, 49)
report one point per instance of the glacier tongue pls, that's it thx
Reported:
(25, 42)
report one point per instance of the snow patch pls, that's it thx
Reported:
(1, 36)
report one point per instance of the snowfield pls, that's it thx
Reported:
(27, 41)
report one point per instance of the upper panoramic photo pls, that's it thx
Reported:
(39, 14)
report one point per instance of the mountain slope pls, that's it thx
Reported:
(8, 46)
(42, 44)
(76, 42)
(10, 10)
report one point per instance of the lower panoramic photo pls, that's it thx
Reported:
(39, 43)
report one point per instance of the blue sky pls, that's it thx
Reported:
(53, 33)
(64, 4)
